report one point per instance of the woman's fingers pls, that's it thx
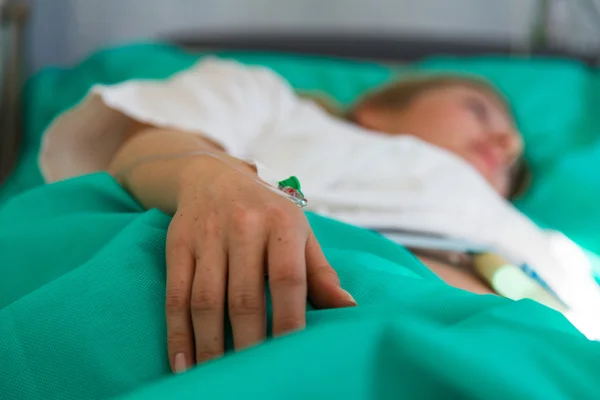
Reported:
(228, 263)
(287, 274)
(324, 289)
(180, 272)
(246, 287)
(208, 297)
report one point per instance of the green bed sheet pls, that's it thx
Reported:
(82, 266)
(81, 317)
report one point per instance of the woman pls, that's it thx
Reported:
(228, 231)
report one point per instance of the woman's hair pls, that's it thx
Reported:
(400, 94)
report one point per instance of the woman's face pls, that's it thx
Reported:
(466, 121)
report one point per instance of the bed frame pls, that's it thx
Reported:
(361, 46)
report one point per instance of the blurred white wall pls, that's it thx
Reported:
(62, 31)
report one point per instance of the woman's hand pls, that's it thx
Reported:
(227, 234)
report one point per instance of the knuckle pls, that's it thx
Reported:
(210, 227)
(245, 219)
(177, 340)
(323, 271)
(242, 304)
(288, 324)
(207, 355)
(176, 302)
(289, 277)
(177, 242)
(205, 301)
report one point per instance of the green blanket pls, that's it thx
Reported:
(81, 317)
(82, 267)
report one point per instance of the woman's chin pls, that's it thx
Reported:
(500, 185)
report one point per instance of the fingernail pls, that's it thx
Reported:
(180, 364)
(349, 298)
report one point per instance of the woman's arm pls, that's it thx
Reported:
(158, 184)
(226, 234)
(227, 231)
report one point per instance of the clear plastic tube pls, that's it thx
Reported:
(290, 193)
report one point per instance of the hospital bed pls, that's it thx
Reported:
(469, 341)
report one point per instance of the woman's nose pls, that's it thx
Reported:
(510, 143)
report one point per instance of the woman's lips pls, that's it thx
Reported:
(489, 159)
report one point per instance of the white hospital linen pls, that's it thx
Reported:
(347, 172)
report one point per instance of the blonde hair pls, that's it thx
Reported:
(400, 94)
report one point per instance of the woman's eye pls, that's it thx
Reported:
(478, 108)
